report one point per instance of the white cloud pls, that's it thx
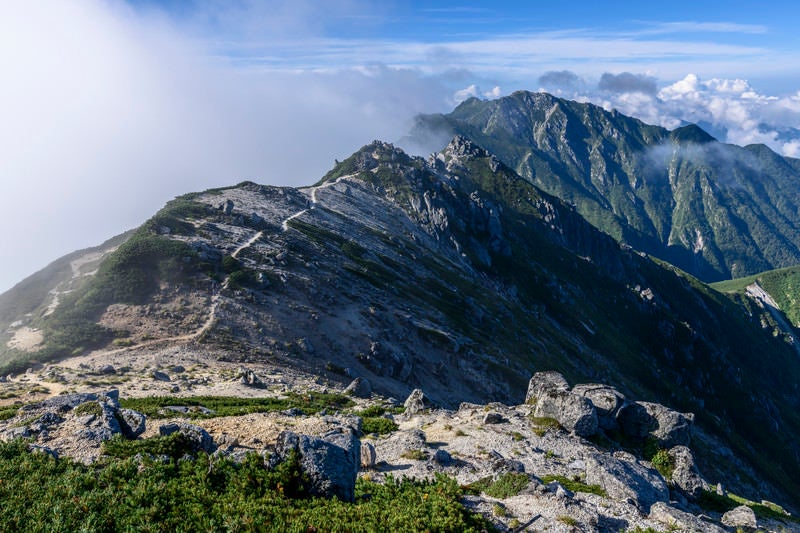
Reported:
(106, 115)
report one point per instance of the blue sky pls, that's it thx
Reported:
(113, 107)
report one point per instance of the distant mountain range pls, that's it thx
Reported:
(715, 210)
(465, 273)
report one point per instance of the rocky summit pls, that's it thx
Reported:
(443, 280)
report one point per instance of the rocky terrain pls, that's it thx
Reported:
(550, 463)
(453, 275)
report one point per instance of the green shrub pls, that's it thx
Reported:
(664, 463)
(541, 424)
(309, 403)
(40, 493)
(88, 408)
(378, 424)
(505, 486)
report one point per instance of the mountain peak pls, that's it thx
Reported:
(691, 133)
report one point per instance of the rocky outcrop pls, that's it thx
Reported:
(360, 388)
(643, 419)
(550, 396)
(606, 400)
(685, 475)
(623, 477)
(331, 461)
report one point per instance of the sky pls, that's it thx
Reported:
(110, 108)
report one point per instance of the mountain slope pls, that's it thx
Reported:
(454, 275)
(715, 210)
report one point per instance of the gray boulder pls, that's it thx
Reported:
(493, 417)
(249, 378)
(415, 403)
(642, 419)
(742, 516)
(545, 381)
(681, 520)
(685, 474)
(198, 437)
(132, 423)
(360, 388)
(160, 376)
(575, 413)
(331, 462)
(624, 478)
(606, 400)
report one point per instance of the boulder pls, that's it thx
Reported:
(160, 376)
(606, 400)
(742, 516)
(360, 388)
(626, 479)
(132, 423)
(198, 437)
(368, 455)
(248, 377)
(542, 381)
(681, 520)
(642, 419)
(575, 413)
(685, 475)
(330, 462)
(415, 403)
(493, 417)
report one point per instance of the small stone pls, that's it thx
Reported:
(442, 458)
(160, 376)
(107, 369)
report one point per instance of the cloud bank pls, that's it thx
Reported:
(108, 114)
(730, 109)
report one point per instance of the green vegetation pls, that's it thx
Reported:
(782, 285)
(40, 493)
(378, 424)
(567, 520)
(664, 463)
(575, 485)
(88, 408)
(8, 412)
(505, 486)
(174, 446)
(711, 501)
(309, 403)
(415, 455)
(541, 424)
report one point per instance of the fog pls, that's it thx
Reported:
(108, 113)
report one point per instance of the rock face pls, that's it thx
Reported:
(132, 423)
(685, 474)
(331, 462)
(606, 400)
(625, 478)
(545, 381)
(643, 419)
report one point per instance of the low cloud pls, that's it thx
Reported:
(561, 80)
(626, 82)
(108, 115)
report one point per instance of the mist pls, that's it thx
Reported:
(109, 113)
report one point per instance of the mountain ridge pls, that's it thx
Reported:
(453, 274)
(717, 211)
